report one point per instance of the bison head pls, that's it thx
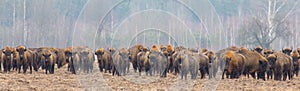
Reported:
(21, 50)
(295, 57)
(46, 55)
(287, 51)
(272, 60)
(258, 49)
(7, 52)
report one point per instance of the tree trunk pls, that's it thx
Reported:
(24, 24)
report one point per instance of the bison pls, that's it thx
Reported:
(49, 61)
(87, 59)
(189, 64)
(25, 59)
(120, 62)
(281, 65)
(73, 59)
(104, 60)
(234, 64)
(214, 63)
(158, 63)
(133, 55)
(255, 63)
(7, 58)
(295, 57)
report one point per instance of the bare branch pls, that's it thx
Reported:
(281, 5)
(290, 11)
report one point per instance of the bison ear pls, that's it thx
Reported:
(129, 57)
(260, 62)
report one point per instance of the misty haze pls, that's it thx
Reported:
(160, 45)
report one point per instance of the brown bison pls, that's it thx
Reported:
(255, 63)
(295, 57)
(73, 59)
(87, 60)
(61, 58)
(143, 61)
(281, 65)
(49, 61)
(189, 64)
(104, 60)
(133, 55)
(234, 64)
(214, 63)
(25, 59)
(16, 58)
(158, 63)
(7, 58)
(204, 64)
(120, 62)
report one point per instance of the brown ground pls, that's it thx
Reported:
(62, 80)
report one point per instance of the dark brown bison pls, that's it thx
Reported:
(204, 64)
(255, 63)
(234, 64)
(281, 65)
(133, 55)
(120, 62)
(104, 60)
(25, 59)
(295, 57)
(7, 58)
(143, 61)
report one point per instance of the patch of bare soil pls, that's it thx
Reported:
(63, 80)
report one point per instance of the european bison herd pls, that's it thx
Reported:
(232, 62)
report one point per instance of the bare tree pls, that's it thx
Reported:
(269, 24)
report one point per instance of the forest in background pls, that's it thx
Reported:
(36, 23)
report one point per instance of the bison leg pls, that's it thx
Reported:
(0, 66)
(52, 69)
(296, 70)
(202, 73)
(24, 68)
(284, 76)
(19, 68)
(134, 64)
(253, 75)
(223, 74)
(4, 66)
